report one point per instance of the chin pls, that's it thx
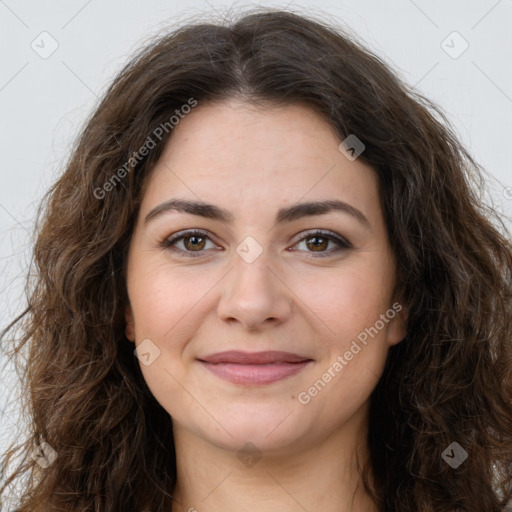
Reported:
(270, 430)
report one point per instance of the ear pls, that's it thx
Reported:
(130, 324)
(397, 328)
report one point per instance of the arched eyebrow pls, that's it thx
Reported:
(287, 214)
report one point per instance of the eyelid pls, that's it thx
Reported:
(343, 242)
(167, 241)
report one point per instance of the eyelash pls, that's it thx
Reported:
(343, 243)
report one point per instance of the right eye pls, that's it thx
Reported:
(193, 241)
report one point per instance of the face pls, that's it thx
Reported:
(259, 274)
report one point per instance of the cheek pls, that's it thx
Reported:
(348, 299)
(168, 307)
(350, 302)
(163, 300)
(346, 377)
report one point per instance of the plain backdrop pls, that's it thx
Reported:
(58, 57)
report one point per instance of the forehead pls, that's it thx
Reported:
(236, 154)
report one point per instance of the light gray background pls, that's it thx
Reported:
(43, 101)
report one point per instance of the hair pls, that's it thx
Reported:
(449, 380)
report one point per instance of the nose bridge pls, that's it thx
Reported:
(252, 292)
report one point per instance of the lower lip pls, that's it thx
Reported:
(254, 374)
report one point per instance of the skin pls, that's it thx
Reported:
(252, 162)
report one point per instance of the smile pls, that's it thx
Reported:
(254, 368)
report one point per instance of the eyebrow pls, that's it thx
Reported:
(288, 214)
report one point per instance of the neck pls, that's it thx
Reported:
(315, 475)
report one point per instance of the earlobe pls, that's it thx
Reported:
(397, 330)
(130, 326)
(403, 316)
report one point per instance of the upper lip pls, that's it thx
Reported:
(268, 357)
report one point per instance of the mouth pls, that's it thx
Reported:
(254, 368)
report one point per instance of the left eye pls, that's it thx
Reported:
(319, 241)
(195, 241)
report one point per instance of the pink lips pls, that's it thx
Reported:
(253, 368)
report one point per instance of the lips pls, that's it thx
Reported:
(269, 357)
(254, 368)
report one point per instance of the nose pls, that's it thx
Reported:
(254, 295)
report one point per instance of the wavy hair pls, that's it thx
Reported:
(449, 380)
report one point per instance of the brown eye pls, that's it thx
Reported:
(191, 242)
(318, 242)
(194, 242)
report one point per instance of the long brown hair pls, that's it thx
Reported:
(449, 381)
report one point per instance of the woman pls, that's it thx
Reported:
(265, 282)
